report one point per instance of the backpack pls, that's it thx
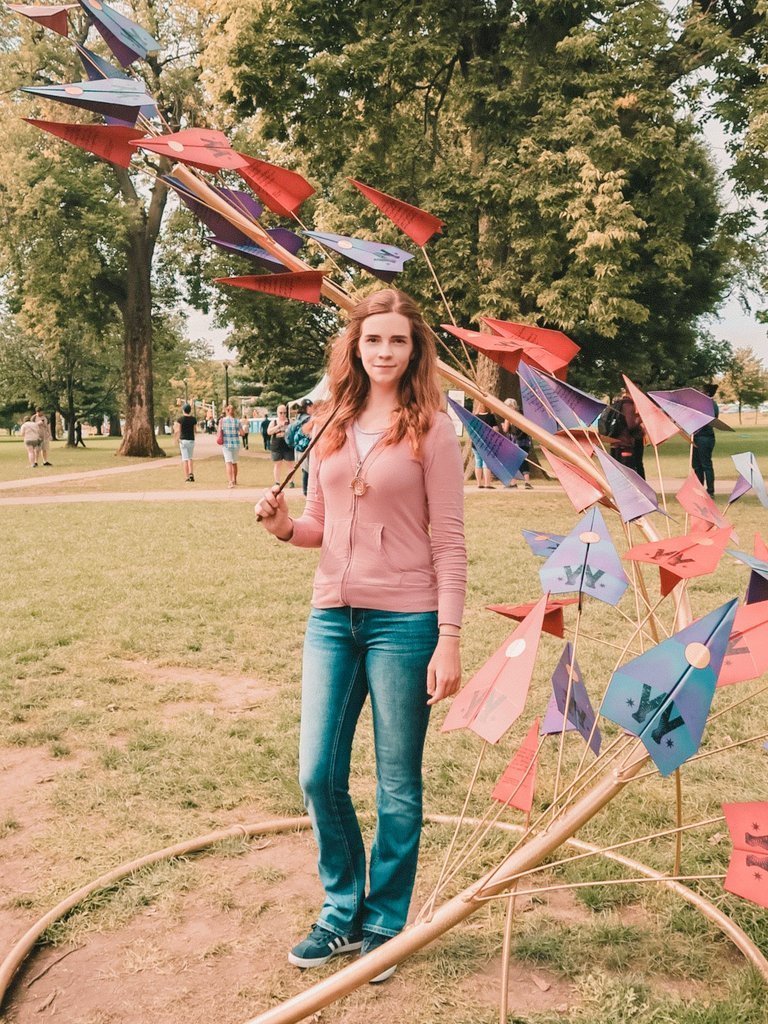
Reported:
(295, 437)
(612, 422)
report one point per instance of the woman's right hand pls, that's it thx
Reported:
(273, 511)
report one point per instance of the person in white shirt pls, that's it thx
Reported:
(30, 434)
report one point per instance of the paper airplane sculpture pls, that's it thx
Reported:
(542, 544)
(518, 780)
(532, 338)
(419, 225)
(303, 285)
(633, 496)
(747, 654)
(580, 713)
(504, 351)
(115, 97)
(688, 408)
(586, 562)
(664, 695)
(281, 190)
(495, 696)
(748, 868)
(97, 68)
(109, 141)
(749, 471)
(547, 400)
(384, 261)
(682, 558)
(697, 503)
(127, 40)
(52, 16)
(553, 613)
(503, 456)
(199, 147)
(658, 426)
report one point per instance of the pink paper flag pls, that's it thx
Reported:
(517, 783)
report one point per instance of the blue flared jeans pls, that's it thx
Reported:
(349, 654)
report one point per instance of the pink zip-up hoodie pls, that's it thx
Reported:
(400, 546)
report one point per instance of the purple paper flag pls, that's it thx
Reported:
(688, 408)
(552, 722)
(633, 496)
(740, 488)
(757, 588)
(747, 468)
(664, 695)
(127, 40)
(580, 712)
(287, 239)
(542, 544)
(223, 230)
(586, 562)
(504, 457)
(384, 261)
(113, 97)
(566, 405)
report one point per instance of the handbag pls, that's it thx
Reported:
(220, 435)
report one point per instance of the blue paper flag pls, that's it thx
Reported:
(580, 712)
(542, 544)
(288, 239)
(664, 695)
(553, 404)
(586, 562)
(113, 97)
(633, 496)
(384, 261)
(97, 68)
(503, 457)
(749, 471)
(125, 38)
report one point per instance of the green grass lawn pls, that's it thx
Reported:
(99, 453)
(94, 593)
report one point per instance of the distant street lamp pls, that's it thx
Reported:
(226, 383)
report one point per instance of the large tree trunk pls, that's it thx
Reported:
(139, 434)
(70, 413)
(114, 427)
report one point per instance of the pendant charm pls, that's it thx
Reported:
(359, 486)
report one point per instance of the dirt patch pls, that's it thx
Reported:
(530, 991)
(234, 692)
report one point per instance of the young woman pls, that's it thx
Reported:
(521, 439)
(385, 504)
(229, 425)
(278, 446)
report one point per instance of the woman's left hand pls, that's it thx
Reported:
(444, 669)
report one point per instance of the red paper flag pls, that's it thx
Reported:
(199, 147)
(303, 285)
(697, 503)
(417, 224)
(518, 780)
(495, 696)
(555, 342)
(553, 613)
(748, 870)
(658, 426)
(52, 16)
(580, 490)
(281, 190)
(679, 558)
(109, 141)
(746, 656)
(508, 351)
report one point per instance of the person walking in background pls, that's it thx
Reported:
(521, 439)
(45, 433)
(704, 446)
(278, 446)
(79, 442)
(30, 435)
(229, 430)
(483, 474)
(244, 426)
(299, 436)
(265, 432)
(385, 504)
(627, 442)
(185, 434)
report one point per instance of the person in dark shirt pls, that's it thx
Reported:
(704, 445)
(185, 435)
(483, 474)
(627, 448)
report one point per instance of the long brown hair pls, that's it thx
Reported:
(419, 396)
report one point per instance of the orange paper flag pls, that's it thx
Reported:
(417, 224)
(580, 490)
(682, 558)
(556, 342)
(518, 780)
(748, 869)
(109, 141)
(303, 285)
(281, 190)
(199, 147)
(658, 426)
(553, 613)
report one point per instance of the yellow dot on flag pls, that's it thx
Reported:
(697, 655)
(73, 90)
(516, 648)
(177, 147)
(589, 537)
